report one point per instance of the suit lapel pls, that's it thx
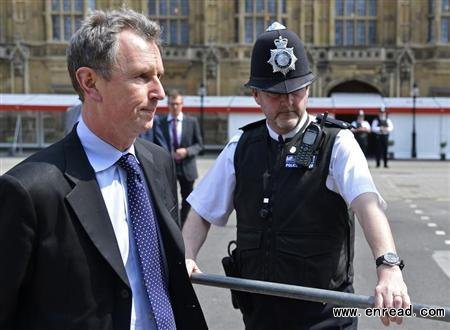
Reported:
(185, 131)
(88, 204)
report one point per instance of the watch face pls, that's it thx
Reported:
(391, 258)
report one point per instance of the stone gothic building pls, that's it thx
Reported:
(383, 47)
(375, 46)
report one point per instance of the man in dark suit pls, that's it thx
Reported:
(71, 117)
(184, 134)
(73, 242)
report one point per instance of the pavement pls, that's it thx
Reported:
(418, 197)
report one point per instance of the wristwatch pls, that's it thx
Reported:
(390, 259)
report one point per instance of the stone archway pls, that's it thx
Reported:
(353, 86)
(356, 87)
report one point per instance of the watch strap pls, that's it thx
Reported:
(382, 261)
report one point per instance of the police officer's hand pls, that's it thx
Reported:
(192, 267)
(391, 292)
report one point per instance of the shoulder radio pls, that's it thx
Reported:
(309, 145)
(305, 152)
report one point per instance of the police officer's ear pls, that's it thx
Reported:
(256, 94)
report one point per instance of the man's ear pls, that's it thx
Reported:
(255, 95)
(87, 78)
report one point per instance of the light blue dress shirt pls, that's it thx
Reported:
(112, 182)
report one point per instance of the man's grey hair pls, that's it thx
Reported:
(95, 43)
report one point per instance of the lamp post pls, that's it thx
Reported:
(202, 94)
(414, 94)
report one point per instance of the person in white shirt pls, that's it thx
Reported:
(291, 179)
(361, 130)
(381, 127)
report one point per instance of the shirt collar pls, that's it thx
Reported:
(290, 134)
(179, 118)
(101, 155)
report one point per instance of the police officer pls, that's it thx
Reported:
(381, 127)
(361, 129)
(292, 220)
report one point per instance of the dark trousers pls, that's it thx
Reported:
(363, 141)
(381, 150)
(274, 313)
(186, 188)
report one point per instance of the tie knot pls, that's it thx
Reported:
(282, 140)
(129, 163)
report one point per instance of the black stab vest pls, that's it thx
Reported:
(308, 237)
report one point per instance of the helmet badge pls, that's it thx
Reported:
(282, 58)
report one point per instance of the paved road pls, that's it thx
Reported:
(418, 197)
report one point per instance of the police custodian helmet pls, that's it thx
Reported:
(279, 63)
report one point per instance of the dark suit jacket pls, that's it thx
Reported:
(71, 117)
(61, 266)
(156, 135)
(191, 139)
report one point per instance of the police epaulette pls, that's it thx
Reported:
(333, 122)
(253, 125)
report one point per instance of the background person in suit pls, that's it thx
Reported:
(72, 239)
(185, 138)
(71, 117)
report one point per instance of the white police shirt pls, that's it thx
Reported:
(348, 175)
(364, 124)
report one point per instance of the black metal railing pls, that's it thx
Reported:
(304, 293)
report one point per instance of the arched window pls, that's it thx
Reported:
(439, 21)
(355, 23)
(445, 21)
(254, 16)
(173, 16)
(66, 17)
